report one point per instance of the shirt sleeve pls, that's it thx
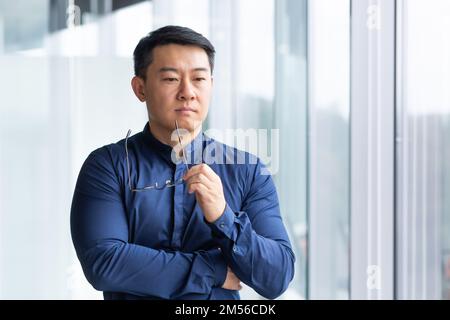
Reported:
(110, 263)
(254, 240)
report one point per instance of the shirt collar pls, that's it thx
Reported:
(166, 150)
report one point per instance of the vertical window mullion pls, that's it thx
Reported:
(372, 148)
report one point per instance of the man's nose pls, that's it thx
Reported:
(186, 91)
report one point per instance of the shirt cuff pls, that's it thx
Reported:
(219, 265)
(223, 227)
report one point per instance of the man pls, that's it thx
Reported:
(147, 223)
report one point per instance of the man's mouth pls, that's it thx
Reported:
(185, 109)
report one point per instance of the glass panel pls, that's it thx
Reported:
(255, 66)
(291, 118)
(21, 31)
(329, 161)
(423, 167)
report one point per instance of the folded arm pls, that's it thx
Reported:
(100, 235)
(254, 240)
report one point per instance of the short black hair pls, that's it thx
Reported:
(143, 54)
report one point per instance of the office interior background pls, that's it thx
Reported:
(359, 89)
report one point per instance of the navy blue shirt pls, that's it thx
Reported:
(156, 244)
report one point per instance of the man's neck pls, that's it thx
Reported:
(166, 136)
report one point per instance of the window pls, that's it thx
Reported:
(329, 148)
(423, 140)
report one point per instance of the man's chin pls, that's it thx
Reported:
(188, 124)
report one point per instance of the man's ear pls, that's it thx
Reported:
(138, 86)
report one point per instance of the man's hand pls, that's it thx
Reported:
(232, 282)
(208, 189)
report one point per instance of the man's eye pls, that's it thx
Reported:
(200, 79)
(170, 79)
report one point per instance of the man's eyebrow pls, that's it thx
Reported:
(201, 69)
(167, 69)
(171, 69)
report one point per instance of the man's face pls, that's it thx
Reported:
(178, 87)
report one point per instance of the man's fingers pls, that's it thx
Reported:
(237, 286)
(233, 286)
(196, 186)
(192, 171)
(201, 168)
(199, 177)
(232, 282)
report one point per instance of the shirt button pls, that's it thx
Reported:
(234, 248)
(222, 225)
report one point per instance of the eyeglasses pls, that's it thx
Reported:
(168, 183)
